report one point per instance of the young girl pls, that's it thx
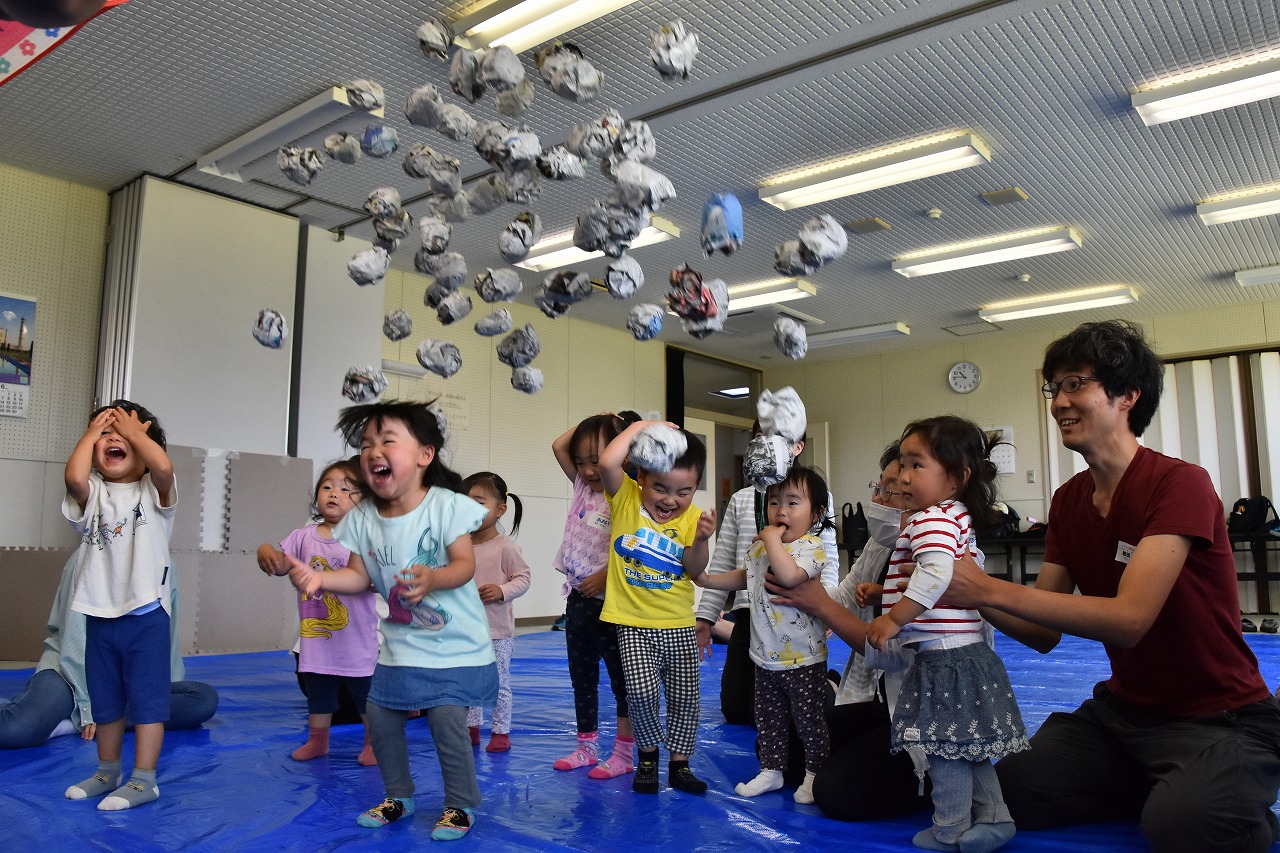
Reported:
(502, 576)
(338, 643)
(413, 533)
(956, 705)
(583, 559)
(788, 646)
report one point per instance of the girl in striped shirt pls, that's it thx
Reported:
(956, 711)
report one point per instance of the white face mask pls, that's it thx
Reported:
(883, 523)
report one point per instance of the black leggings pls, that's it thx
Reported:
(587, 640)
(738, 678)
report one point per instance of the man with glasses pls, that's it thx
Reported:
(1185, 733)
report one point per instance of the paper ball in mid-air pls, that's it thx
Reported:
(270, 330)
(494, 323)
(464, 75)
(520, 347)
(567, 286)
(453, 307)
(342, 147)
(435, 37)
(782, 413)
(365, 95)
(624, 277)
(439, 357)
(560, 164)
(299, 165)
(500, 285)
(822, 240)
(644, 321)
(568, 73)
(674, 48)
(527, 379)
(369, 266)
(379, 141)
(721, 224)
(363, 385)
(520, 235)
(397, 325)
(791, 338)
(383, 202)
(767, 461)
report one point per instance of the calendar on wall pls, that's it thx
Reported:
(1004, 456)
(17, 346)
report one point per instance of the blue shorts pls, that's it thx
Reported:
(126, 664)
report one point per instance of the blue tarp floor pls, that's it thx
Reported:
(231, 786)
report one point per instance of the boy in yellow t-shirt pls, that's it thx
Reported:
(658, 542)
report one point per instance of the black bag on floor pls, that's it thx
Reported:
(853, 528)
(1251, 517)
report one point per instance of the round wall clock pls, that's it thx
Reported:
(964, 376)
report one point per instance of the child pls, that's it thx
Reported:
(502, 576)
(659, 542)
(414, 533)
(583, 559)
(788, 647)
(956, 704)
(338, 643)
(121, 499)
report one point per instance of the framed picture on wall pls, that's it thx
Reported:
(17, 346)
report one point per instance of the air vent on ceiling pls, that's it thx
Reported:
(1009, 195)
(868, 226)
(750, 322)
(966, 329)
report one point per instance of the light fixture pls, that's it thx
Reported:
(1237, 206)
(1080, 300)
(558, 250)
(1264, 275)
(732, 393)
(403, 368)
(768, 292)
(306, 118)
(991, 250)
(522, 24)
(860, 333)
(871, 171)
(1216, 90)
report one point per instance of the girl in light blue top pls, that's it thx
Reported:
(412, 542)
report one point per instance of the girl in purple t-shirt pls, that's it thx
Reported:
(338, 642)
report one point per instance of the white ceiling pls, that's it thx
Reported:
(149, 86)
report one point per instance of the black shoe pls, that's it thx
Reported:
(1247, 626)
(682, 779)
(1270, 626)
(646, 779)
(558, 625)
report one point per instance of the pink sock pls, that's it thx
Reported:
(587, 753)
(619, 762)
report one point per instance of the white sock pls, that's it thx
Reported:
(765, 781)
(804, 794)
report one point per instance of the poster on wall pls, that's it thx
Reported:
(17, 344)
(21, 46)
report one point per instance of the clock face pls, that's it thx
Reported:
(964, 377)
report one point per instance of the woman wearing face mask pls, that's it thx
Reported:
(862, 780)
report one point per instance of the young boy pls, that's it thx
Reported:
(659, 542)
(121, 500)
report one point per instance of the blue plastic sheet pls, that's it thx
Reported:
(232, 786)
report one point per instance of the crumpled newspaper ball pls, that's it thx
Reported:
(560, 164)
(767, 461)
(395, 227)
(270, 330)
(782, 413)
(719, 293)
(464, 75)
(453, 307)
(657, 447)
(416, 160)
(451, 271)
(435, 233)
(789, 260)
(568, 287)
(500, 69)
(369, 266)
(383, 202)
(343, 147)
(379, 141)
(501, 285)
(791, 338)
(455, 209)
(673, 51)
(363, 385)
(592, 228)
(436, 293)
(516, 102)
(494, 323)
(397, 325)
(527, 379)
(435, 37)
(427, 262)
(644, 321)
(422, 107)
(623, 277)
(520, 147)
(635, 142)
(568, 73)
(519, 347)
(624, 226)
(524, 185)
(593, 140)
(487, 195)
(690, 297)
(721, 224)
(455, 122)
(299, 165)
(439, 357)
(642, 186)
(520, 235)
(488, 138)
(822, 240)
(365, 95)
(549, 306)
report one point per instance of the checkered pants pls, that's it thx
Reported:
(666, 657)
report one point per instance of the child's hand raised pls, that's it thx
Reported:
(129, 426)
(706, 525)
(99, 424)
(881, 630)
(865, 594)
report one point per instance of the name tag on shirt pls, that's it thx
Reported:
(1124, 552)
(598, 520)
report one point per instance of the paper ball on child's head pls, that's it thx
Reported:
(657, 447)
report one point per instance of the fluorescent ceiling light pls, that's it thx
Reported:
(1263, 203)
(769, 292)
(993, 250)
(861, 333)
(306, 118)
(1240, 84)
(732, 393)
(522, 25)
(402, 368)
(1077, 301)
(558, 250)
(1265, 275)
(865, 172)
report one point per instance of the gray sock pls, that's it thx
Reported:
(141, 788)
(105, 779)
(985, 837)
(926, 840)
